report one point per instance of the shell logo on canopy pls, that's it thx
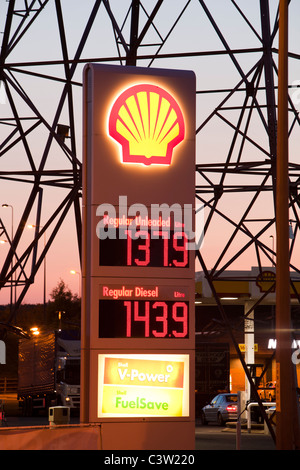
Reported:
(148, 123)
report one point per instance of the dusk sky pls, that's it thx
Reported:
(192, 33)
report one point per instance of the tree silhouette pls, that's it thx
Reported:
(64, 308)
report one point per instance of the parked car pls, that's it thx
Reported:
(221, 409)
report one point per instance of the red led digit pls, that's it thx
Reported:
(141, 247)
(145, 248)
(129, 247)
(180, 248)
(163, 318)
(180, 315)
(145, 318)
(165, 236)
(128, 319)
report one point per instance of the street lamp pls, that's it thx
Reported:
(272, 238)
(77, 272)
(35, 330)
(2, 242)
(12, 258)
(60, 318)
(41, 226)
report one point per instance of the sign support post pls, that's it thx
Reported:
(287, 407)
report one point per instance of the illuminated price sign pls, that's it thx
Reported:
(145, 248)
(143, 319)
(138, 257)
(123, 314)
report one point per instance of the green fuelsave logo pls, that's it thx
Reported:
(141, 403)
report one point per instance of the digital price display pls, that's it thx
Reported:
(145, 248)
(162, 312)
(143, 319)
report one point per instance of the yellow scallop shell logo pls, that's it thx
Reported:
(148, 123)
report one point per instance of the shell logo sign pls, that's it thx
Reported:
(148, 123)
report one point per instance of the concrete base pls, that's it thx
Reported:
(79, 437)
(159, 435)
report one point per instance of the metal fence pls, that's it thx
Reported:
(8, 385)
